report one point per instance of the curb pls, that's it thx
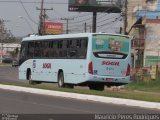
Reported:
(118, 101)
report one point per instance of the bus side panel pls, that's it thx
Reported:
(73, 70)
(45, 70)
(23, 69)
(41, 70)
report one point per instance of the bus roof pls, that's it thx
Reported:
(78, 35)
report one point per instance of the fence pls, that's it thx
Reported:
(145, 74)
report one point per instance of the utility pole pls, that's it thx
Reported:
(85, 27)
(42, 18)
(94, 22)
(67, 22)
(124, 14)
(40, 30)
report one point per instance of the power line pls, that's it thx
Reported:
(78, 22)
(67, 20)
(108, 19)
(30, 26)
(77, 28)
(81, 21)
(27, 13)
(31, 2)
(75, 17)
(42, 17)
(116, 19)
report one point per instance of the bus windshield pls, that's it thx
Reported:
(110, 46)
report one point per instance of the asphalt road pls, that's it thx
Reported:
(9, 74)
(26, 103)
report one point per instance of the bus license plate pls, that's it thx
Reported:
(109, 79)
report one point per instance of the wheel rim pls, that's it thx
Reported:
(61, 80)
(30, 78)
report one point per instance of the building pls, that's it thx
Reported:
(133, 6)
(152, 44)
(6, 48)
(138, 32)
(146, 40)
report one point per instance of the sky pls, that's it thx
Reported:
(22, 18)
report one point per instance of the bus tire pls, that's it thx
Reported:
(29, 77)
(96, 87)
(61, 80)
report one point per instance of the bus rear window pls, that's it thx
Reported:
(109, 46)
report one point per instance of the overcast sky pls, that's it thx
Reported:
(10, 10)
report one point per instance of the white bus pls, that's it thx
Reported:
(89, 59)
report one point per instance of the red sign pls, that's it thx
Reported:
(47, 65)
(110, 63)
(53, 28)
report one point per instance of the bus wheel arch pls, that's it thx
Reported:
(61, 78)
(28, 74)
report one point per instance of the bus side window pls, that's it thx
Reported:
(64, 49)
(68, 49)
(38, 49)
(85, 43)
(45, 49)
(68, 43)
(30, 52)
(78, 44)
(54, 47)
(23, 50)
(84, 48)
(50, 48)
(73, 49)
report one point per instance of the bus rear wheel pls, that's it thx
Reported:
(61, 80)
(98, 87)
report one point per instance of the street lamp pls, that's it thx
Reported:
(27, 23)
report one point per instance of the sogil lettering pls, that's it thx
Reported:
(47, 65)
(110, 63)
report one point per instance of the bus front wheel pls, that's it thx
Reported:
(29, 78)
(61, 80)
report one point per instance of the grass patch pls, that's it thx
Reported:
(149, 86)
(128, 93)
